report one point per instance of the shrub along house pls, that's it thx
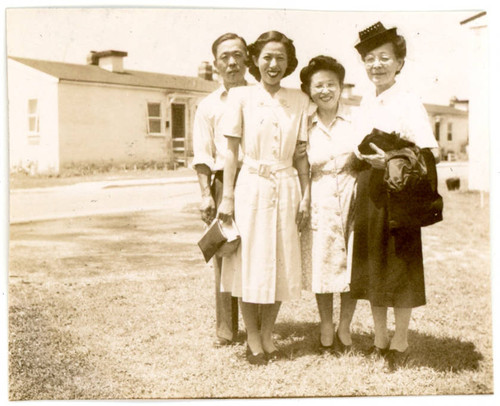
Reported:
(63, 114)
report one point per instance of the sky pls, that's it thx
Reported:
(175, 41)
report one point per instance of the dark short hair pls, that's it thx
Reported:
(226, 37)
(272, 36)
(320, 62)
(399, 44)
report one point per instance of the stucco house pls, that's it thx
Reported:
(451, 128)
(62, 114)
(476, 27)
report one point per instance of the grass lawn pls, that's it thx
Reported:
(121, 307)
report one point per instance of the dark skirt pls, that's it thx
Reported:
(387, 267)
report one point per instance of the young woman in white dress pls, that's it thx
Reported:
(266, 121)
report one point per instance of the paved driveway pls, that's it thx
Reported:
(101, 198)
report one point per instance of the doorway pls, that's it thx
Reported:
(179, 133)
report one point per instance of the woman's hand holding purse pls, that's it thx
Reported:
(376, 160)
(226, 209)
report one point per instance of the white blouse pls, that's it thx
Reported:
(399, 111)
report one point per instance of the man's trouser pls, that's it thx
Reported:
(226, 306)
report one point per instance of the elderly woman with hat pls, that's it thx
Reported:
(387, 264)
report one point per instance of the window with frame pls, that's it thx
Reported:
(437, 128)
(154, 118)
(450, 131)
(33, 122)
(33, 117)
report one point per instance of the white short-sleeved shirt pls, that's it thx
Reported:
(396, 110)
(209, 143)
(325, 144)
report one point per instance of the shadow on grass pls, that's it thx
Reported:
(443, 353)
(439, 353)
(99, 227)
(298, 339)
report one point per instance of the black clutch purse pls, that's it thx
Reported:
(383, 140)
(220, 238)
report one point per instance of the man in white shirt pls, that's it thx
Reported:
(209, 145)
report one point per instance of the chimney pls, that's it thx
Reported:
(347, 92)
(91, 58)
(109, 60)
(205, 71)
(459, 104)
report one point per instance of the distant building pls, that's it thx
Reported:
(479, 142)
(450, 125)
(62, 114)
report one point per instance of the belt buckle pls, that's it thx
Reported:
(264, 170)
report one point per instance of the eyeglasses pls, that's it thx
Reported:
(383, 60)
(327, 86)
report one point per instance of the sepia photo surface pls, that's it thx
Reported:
(108, 295)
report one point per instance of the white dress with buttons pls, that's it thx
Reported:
(326, 265)
(267, 266)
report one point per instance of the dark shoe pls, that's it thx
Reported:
(339, 347)
(376, 353)
(324, 349)
(273, 356)
(222, 342)
(396, 359)
(258, 359)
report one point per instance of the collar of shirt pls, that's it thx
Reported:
(385, 96)
(342, 114)
(222, 92)
(280, 94)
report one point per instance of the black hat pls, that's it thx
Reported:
(374, 36)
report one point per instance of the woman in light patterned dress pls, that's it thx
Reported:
(325, 241)
(266, 121)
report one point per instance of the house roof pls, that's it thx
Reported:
(95, 74)
(439, 109)
(474, 17)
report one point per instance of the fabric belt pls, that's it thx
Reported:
(315, 174)
(265, 169)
